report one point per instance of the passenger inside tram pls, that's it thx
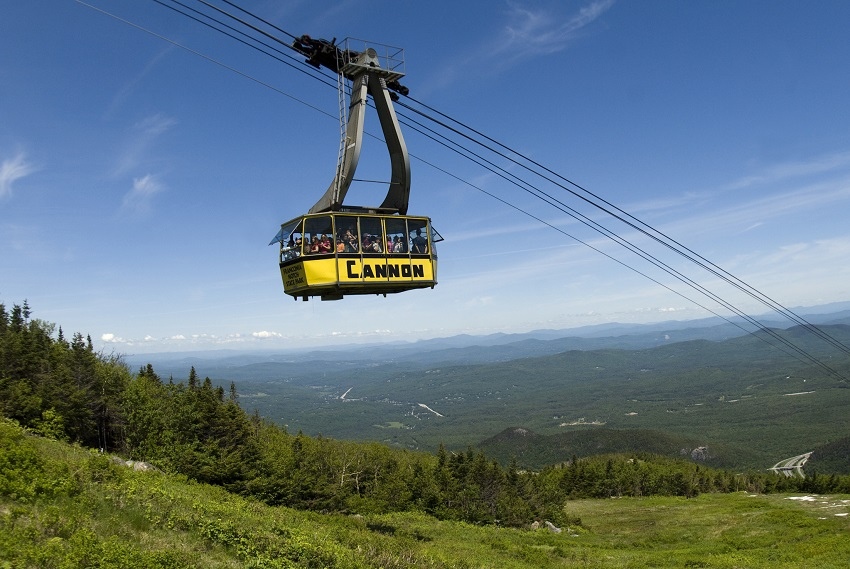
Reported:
(371, 244)
(325, 245)
(419, 243)
(399, 245)
(351, 245)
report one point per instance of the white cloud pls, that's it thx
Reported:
(265, 334)
(479, 301)
(109, 338)
(528, 33)
(142, 137)
(138, 199)
(795, 169)
(776, 188)
(130, 86)
(533, 33)
(14, 169)
(155, 125)
(745, 216)
(747, 203)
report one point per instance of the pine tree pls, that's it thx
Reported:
(193, 379)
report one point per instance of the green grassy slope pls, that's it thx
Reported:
(62, 506)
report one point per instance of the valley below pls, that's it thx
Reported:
(709, 391)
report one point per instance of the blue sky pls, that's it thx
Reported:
(141, 182)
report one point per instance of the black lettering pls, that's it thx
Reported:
(381, 271)
(392, 270)
(418, 271)
(294, 280)
(293, 277)
(351, 274)
(405, 271)
(367, 272)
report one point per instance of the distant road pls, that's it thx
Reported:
(792, 466)
(429, 409)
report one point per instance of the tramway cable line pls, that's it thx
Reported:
(611, 235)
(600, 203)
(637, 224)
(581, 218)
(322, 47)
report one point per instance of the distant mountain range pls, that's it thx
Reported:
(469, 349)
(672, 388)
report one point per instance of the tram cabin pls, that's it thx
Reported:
(333, 254)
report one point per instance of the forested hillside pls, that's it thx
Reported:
(59, 387)
(65, 390)
(749, 402)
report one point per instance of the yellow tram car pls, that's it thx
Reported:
(335, 254)
(336, 250)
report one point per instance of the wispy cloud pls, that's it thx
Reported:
(807, 190)
(138, 199)
(14, 169)
(527, 32)
(126, 92)
(535, 32)
(142, 138)
(749, 201)
(804, 272)
(748, 214)
(144, 134)
(794, 169)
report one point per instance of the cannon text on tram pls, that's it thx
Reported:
(383, 271)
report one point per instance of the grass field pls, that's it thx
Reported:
(62, 506)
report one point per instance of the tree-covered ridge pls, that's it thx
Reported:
(67, 391)
(58, 387)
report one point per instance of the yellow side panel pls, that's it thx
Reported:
(320, 271)
(298, 277)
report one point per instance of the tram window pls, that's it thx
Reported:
(346, 234)
(290, 240)
(294, 246)
(418, 236)
(318, 235)
(435, 238)
(372, 235)
(396, 236)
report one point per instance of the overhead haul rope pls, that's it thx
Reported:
(484, 163)
(554, 202)
(638, 225)
(522, 184)
(536, 191)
